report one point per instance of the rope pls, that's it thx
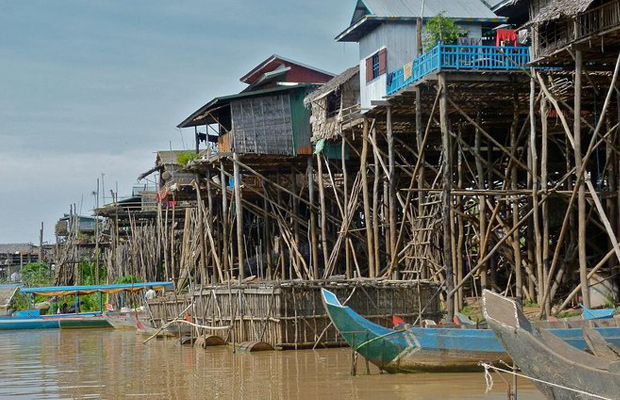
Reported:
(489, 381)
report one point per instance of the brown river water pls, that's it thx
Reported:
(93, 364)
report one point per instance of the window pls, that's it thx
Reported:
(376, 65)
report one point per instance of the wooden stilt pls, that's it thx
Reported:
(535, 182)
(392, 186)
(323, 209)
(447, 194)
(366, 199)
(581, 199)
(239, 217)
(313, 234)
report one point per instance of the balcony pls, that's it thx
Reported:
(457, 57)
(555, 35)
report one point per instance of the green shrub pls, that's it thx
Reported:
(185, 157)
(441, 29)
(37, 274)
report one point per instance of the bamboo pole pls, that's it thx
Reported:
(375, 202)
(545, 207)
(224, 189)
(323, 210)
(447, 195)
(482, 205)
(366, 199)
(392, 183)
(581, 200)
(239, 217)
(535, 180)
(313, 235)
(345, 187)
(516, 242)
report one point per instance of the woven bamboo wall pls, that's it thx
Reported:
(290, 315)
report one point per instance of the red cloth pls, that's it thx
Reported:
(397, 320)
(507, 36)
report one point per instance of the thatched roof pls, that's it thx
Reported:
(332, 85)
(559, 9)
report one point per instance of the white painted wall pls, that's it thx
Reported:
(373, 90)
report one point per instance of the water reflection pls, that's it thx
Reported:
(109, 364)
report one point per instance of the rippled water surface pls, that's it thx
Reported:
(58, 364)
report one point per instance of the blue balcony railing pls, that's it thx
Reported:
(458, 57)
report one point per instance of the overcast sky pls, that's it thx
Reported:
(92, 87)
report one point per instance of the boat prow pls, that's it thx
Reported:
(415, 348)
(560, 370)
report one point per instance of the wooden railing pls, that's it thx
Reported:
(598, 20)
(458, 57)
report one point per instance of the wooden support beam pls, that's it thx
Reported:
(392, 184)
(312, 222)
(581, 199)
(366, 199)
(239, 216)
(323, 210)
(535, 179)
(447, 195)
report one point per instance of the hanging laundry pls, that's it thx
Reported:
(523, 37)
(408, 71)
(506, 37)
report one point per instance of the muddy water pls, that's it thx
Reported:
(111, 364)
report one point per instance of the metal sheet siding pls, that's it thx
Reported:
(398, 38)
(300, 121)
(411, 8)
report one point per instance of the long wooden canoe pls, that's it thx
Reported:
(57, 321)
(565, 372)
(430, 349)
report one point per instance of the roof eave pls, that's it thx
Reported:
(350, 34)
(188, 122)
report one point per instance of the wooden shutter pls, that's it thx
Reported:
(369, 69)
(382, 61)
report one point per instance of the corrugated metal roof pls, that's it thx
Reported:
(218, 102)
(464, 9)
(12, 248)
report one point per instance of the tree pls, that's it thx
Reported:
(441, 29)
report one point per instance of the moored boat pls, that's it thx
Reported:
(31, 319)
(560, 371)
(430, 349)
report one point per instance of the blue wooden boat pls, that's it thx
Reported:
(31, 319)
(430, 349)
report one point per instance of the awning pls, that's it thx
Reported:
(90, 289)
